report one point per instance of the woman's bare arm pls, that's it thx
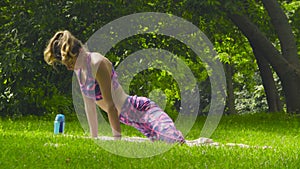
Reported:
(103, 77)
(91, 113)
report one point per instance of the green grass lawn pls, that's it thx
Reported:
(30, 143)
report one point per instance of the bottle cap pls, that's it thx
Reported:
(60, 117)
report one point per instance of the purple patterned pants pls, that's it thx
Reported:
(144, 115)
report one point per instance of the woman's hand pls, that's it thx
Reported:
(118, 137)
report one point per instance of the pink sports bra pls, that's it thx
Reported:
(91, 88)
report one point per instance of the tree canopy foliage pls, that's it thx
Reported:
(258, 43)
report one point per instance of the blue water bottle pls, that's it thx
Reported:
(59, 124)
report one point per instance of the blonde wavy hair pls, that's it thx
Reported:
(63, 47)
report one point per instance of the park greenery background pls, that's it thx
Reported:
(256, 41)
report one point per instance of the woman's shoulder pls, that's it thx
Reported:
(97, 59)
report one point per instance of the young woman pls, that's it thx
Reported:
(100, 87)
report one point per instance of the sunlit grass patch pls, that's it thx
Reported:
(30, 143)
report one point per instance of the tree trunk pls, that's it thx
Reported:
(266, 74)
(291, 81)
(230, 93)
(284, 31)
(289, 73)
